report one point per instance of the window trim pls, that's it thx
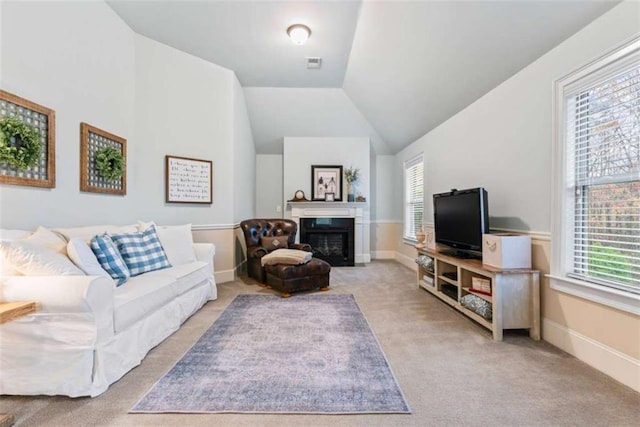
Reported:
(407, 164)
(562, 236)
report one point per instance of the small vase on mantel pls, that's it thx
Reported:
(351, 175)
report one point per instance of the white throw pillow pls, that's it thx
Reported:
(82, 256)
(6, 235)
(176, 240)
(48, 239)
(143, 225)
(42, 237)
(6, 267)
(34, 260)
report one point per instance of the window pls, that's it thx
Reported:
(596, 235)
(414, 197)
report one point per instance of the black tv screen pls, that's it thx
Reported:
(461, 217)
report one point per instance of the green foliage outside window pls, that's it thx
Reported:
(605, 261)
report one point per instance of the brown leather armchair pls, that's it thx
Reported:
(255, 229)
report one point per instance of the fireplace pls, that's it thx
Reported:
(332, 239)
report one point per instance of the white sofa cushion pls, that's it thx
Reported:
(87, 233)
(185, 276)
(145, 293)
(47, 238)
(176, 240)
(34, 260)
(138, 297)
(81, 254)
(7, 235)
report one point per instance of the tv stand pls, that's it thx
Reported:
(514, 293)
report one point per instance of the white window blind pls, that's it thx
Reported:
(414, 202)
(603, 153)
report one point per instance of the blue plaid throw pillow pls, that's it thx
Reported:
(110, 259)
(142, 252)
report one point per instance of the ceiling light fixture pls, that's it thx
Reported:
(299, 33)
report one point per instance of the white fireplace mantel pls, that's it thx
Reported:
(336, 210)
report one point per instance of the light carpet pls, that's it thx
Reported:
(313, 354)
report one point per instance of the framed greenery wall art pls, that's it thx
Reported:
(103, 161)
(27, 142)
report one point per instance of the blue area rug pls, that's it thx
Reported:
(310, 354)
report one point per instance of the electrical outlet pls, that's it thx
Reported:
(278, 208)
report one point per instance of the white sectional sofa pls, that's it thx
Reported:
(87, 332)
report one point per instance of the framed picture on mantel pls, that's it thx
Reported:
(326, 180)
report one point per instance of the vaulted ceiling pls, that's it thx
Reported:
(405, 66)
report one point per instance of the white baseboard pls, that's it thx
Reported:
(364, 258)
(612, 362)
(383, 254)
(225, 275)
(407, 261)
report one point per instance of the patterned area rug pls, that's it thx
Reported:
(310, 354)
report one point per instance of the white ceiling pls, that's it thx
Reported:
(249, 37)
(407, 66)
(414, 65)
(279, 111)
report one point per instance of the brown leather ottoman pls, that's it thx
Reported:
(295, 278)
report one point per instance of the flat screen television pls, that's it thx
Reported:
(461, 218)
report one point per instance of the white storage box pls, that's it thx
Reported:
(430, 237)
(506, 250)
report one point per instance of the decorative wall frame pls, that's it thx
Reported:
(42, 118)
(92, 141)
(188, 180)
(326, 179)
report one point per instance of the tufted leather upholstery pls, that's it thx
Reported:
(254, 229)
(295, 278)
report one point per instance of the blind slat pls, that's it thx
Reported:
(414, 204)
(603, 125)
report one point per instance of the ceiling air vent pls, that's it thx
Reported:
(314, 62)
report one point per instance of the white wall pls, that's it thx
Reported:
(81, 60)
(78, 59)
(305, 112)
(388, 206)
(184, 107)
(301, 153)
(244, 158)
(503, 141)
(269, 186)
